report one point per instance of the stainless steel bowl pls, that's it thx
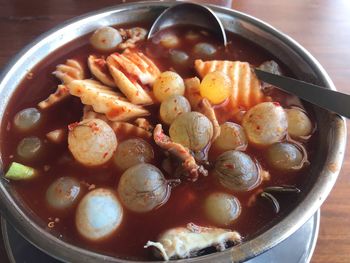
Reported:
(325, 165)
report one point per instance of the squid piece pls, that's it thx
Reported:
(128, 128)
(124, 127)
(246, 88)
(192, 92)
(60, 94)
(131, 71)
(206, 108)
(89, 113)
(144, 124)
(67, 72)
(132, 36)
(98, 68)
(188, 162)
(192, 240)
(104, 100)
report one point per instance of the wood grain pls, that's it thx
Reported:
(322, 27)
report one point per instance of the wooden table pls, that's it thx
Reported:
(322, 27)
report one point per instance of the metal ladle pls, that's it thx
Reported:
(189, 14)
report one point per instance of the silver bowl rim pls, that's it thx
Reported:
(293, 221)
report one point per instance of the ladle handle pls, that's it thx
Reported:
(329, 99)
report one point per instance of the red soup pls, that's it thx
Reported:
(147, 140)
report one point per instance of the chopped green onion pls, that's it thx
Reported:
(19, 171)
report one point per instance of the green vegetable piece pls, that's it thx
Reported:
(19, 171)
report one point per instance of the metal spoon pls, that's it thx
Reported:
(189, 14)
(329, 99)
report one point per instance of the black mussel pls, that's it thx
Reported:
(270, 192)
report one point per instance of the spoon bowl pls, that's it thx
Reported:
(189, 14)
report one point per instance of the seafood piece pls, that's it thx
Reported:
(27, 119)
(130, 71)
(117, 126)
(181, 152)
(232, 137)
(269, 193)
(265, 123)
(139, 65)
(178, 57)
(168, 83)
(30, 148)
(190, 241)
(132, 36)
(98, 215)
(104, 100)
(192, 92)
(172, 107)
(106, 38)
(246, 88)
(192, 129)
(128, 128)
(299, 124)
(216, 87)
(60, 94)
(98, 68)
(92, 142)
(237, 171)
(144, 124)
(89, 113)
(168, 40)
(221, 208)
(143, 188)
(206, 108)
(69, 71)
(204, 50)
(284, 156)
(56, 136)
(63, 193)
(132, 152)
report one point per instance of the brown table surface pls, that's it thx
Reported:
(322, 27)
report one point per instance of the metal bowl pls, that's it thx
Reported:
(325, 164)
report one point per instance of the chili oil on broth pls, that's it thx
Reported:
(186, 200)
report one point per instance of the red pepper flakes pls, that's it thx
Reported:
(72, 126)
(229, 166)
(94, 126)
(116, 111)
(100, 62)
(63, 90)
